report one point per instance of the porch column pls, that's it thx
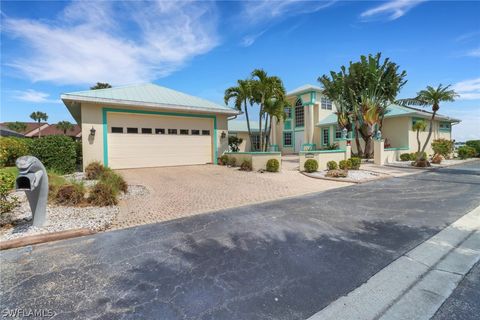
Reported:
(309, 124)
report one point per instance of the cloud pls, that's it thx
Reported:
(393, 9)
(468, 89)
(248, 40)
(113, 41)
(31, 95)
(474, 53)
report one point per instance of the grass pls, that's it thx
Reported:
(13, 170)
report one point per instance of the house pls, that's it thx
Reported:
(5, 132)
(239, 128)
(32, 128)
(148, 126)
(311, 124)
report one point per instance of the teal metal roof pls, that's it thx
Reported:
(241, 126)
(148, 93)
(304, 88)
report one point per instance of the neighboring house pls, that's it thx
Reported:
(239, 129)
(31, 129)
(5, 132)
(75, 132)
(311, 123)
(148, 126)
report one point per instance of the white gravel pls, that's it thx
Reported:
(444, 163)
(353, 175)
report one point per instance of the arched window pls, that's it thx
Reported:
(299, 114)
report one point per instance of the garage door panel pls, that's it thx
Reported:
(152, 150)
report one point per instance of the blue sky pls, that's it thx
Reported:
(201, 48)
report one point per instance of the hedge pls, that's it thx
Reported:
(12, 148)
(57, 153)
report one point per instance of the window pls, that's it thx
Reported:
(338, 133)
(325, 136)
(288, 113)
(184, 131)
(195, 132)
(287, 139)
(326, 103)
(256, 142)
(205, 132)
(172, 131)
(147, 130)
(159, 131)
(132, 130)
(444, 126)
(117, 130)
(299, 114)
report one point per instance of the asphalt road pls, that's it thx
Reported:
(284, 259)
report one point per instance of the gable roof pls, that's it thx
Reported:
(241, 126)
(304, 88)
(5, 132)
(146, 95)
(53, 130)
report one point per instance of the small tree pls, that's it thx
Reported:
(64, 126)
(101, 85)
(419, 125)
(17, 126)
(234, 143)
(443, 147)
(38, 116)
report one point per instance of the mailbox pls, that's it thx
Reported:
(33, 179)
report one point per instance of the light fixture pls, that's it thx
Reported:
(92, 131)
(223, 135)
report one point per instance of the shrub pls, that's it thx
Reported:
(55, 181)
(333, 146)
(94, 170)
(311, 165)
(234, 143)
(442, 147)
(55, 152)
(102, 195)
(405, 157)
(474, 144)
(246, 165)
(7, 182)
(345, 164)
(437, 159)
(78, 153)
(273, 165)
(413, 156)
(355, 163)
(223, 160)
(337, 173)
(12, 148)
(232, 161)
(70, 194)
(332, 165)
(114, 180)
(465, 152)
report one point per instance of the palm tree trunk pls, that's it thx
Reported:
(260, 114)
(39, 128)
(357, 142)
(266, 133)
(269, 130)
(248, 124)
(418, 142)
(430, 131)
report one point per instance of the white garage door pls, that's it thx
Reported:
(137, 140)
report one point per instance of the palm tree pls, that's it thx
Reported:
(419, 125)
(17, 126)
(430, 97)
(241, 93)
(274, 109)
(38, 116)
(64, 126)
(101, 85)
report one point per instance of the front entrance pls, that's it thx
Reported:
(299, 138)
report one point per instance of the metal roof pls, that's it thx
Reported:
(304, 88)
(241, 125)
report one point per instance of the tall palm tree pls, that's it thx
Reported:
(419, 125)
(64, 126)
(38, 116)
(430, 97)
(241, 94)
(101, 85)
(274, 110)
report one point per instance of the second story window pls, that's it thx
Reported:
(288, 113)
(326, 104)
(299, 114)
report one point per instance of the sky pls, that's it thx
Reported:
(203, 47)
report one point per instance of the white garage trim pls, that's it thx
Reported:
(105, 126)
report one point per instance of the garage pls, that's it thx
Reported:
(138, 140)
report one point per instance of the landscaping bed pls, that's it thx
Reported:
(444, 163)
(354, 176)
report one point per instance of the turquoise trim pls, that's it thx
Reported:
(287, 125)
(299, 129)
(323, 136)
(324, 151)
(448, 127)
(174, 114)
(291, 139)
(274, 147)
(394, 149)
(313, 97)
(254, 152)
(309, 146)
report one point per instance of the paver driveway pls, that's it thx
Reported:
(284, 259)
(177, 192)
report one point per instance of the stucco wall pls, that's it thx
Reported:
(395, 130)
(258, 159)
(437, 134)
(322, 158)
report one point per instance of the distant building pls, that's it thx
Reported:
(46, 129)
(5, 132)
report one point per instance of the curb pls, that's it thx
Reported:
(416, 284)
(42, 238)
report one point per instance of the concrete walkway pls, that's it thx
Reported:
(285, 259)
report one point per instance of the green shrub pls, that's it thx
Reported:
(12, 148)
(311, 165)
(273, 165)
(70, 194)
(413, 156)
(55, 152)
(443, 147)
(474, 144)
(405, 157)
(345, 164)
(55, 181)
(7, 180)
(355, 163)
(465, 152)
(78, 153)
(232, 161)
(223, 160)
(332, 165)
(246, 165)
(94, 170)
(7, 183)
(102, 195)
(114, 180)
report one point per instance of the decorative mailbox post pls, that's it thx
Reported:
(33, 179)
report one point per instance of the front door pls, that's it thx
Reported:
(299, 138)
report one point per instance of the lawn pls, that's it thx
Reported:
(13, 170)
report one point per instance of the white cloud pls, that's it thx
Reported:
(474, 53)
(468, 89)
(248, 40)
(31, 95)
(393, 9)
(115, 42)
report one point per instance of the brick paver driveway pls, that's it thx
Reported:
(177, 192)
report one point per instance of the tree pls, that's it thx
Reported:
(364, 89)
(101, 85)
(420, 125)
(17, 126)
(430, 97)
(274, 109)
(234, 143)
(241, 94)
(64, 126)
(38, 116)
